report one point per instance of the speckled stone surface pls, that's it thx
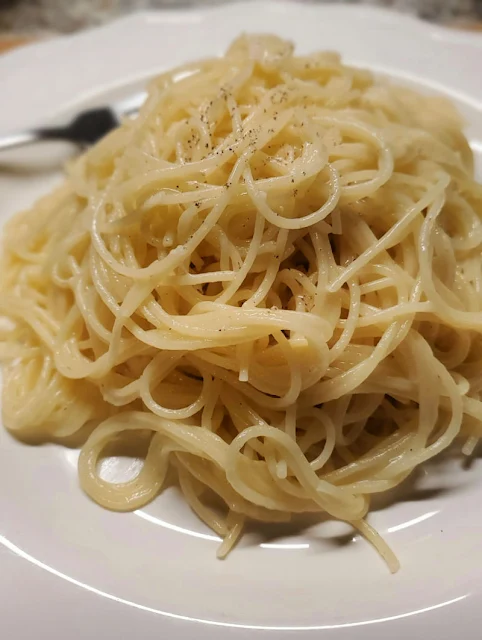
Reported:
(65, 16)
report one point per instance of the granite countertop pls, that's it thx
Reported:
(65, 16)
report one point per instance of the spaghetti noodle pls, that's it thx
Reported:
(272, 276)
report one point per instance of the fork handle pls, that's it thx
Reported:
(23, 138)
(20, 139)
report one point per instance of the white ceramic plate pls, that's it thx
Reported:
(69, 569)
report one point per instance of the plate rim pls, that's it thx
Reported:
(57, 53)
(403, 22)
(446, 32)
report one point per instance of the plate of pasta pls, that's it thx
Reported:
(241, 336)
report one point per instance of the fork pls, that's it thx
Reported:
(86, 128)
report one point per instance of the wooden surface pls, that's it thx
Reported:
(11, 42)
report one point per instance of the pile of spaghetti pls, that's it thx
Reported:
(272, 276)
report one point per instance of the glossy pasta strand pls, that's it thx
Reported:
(271, 278)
